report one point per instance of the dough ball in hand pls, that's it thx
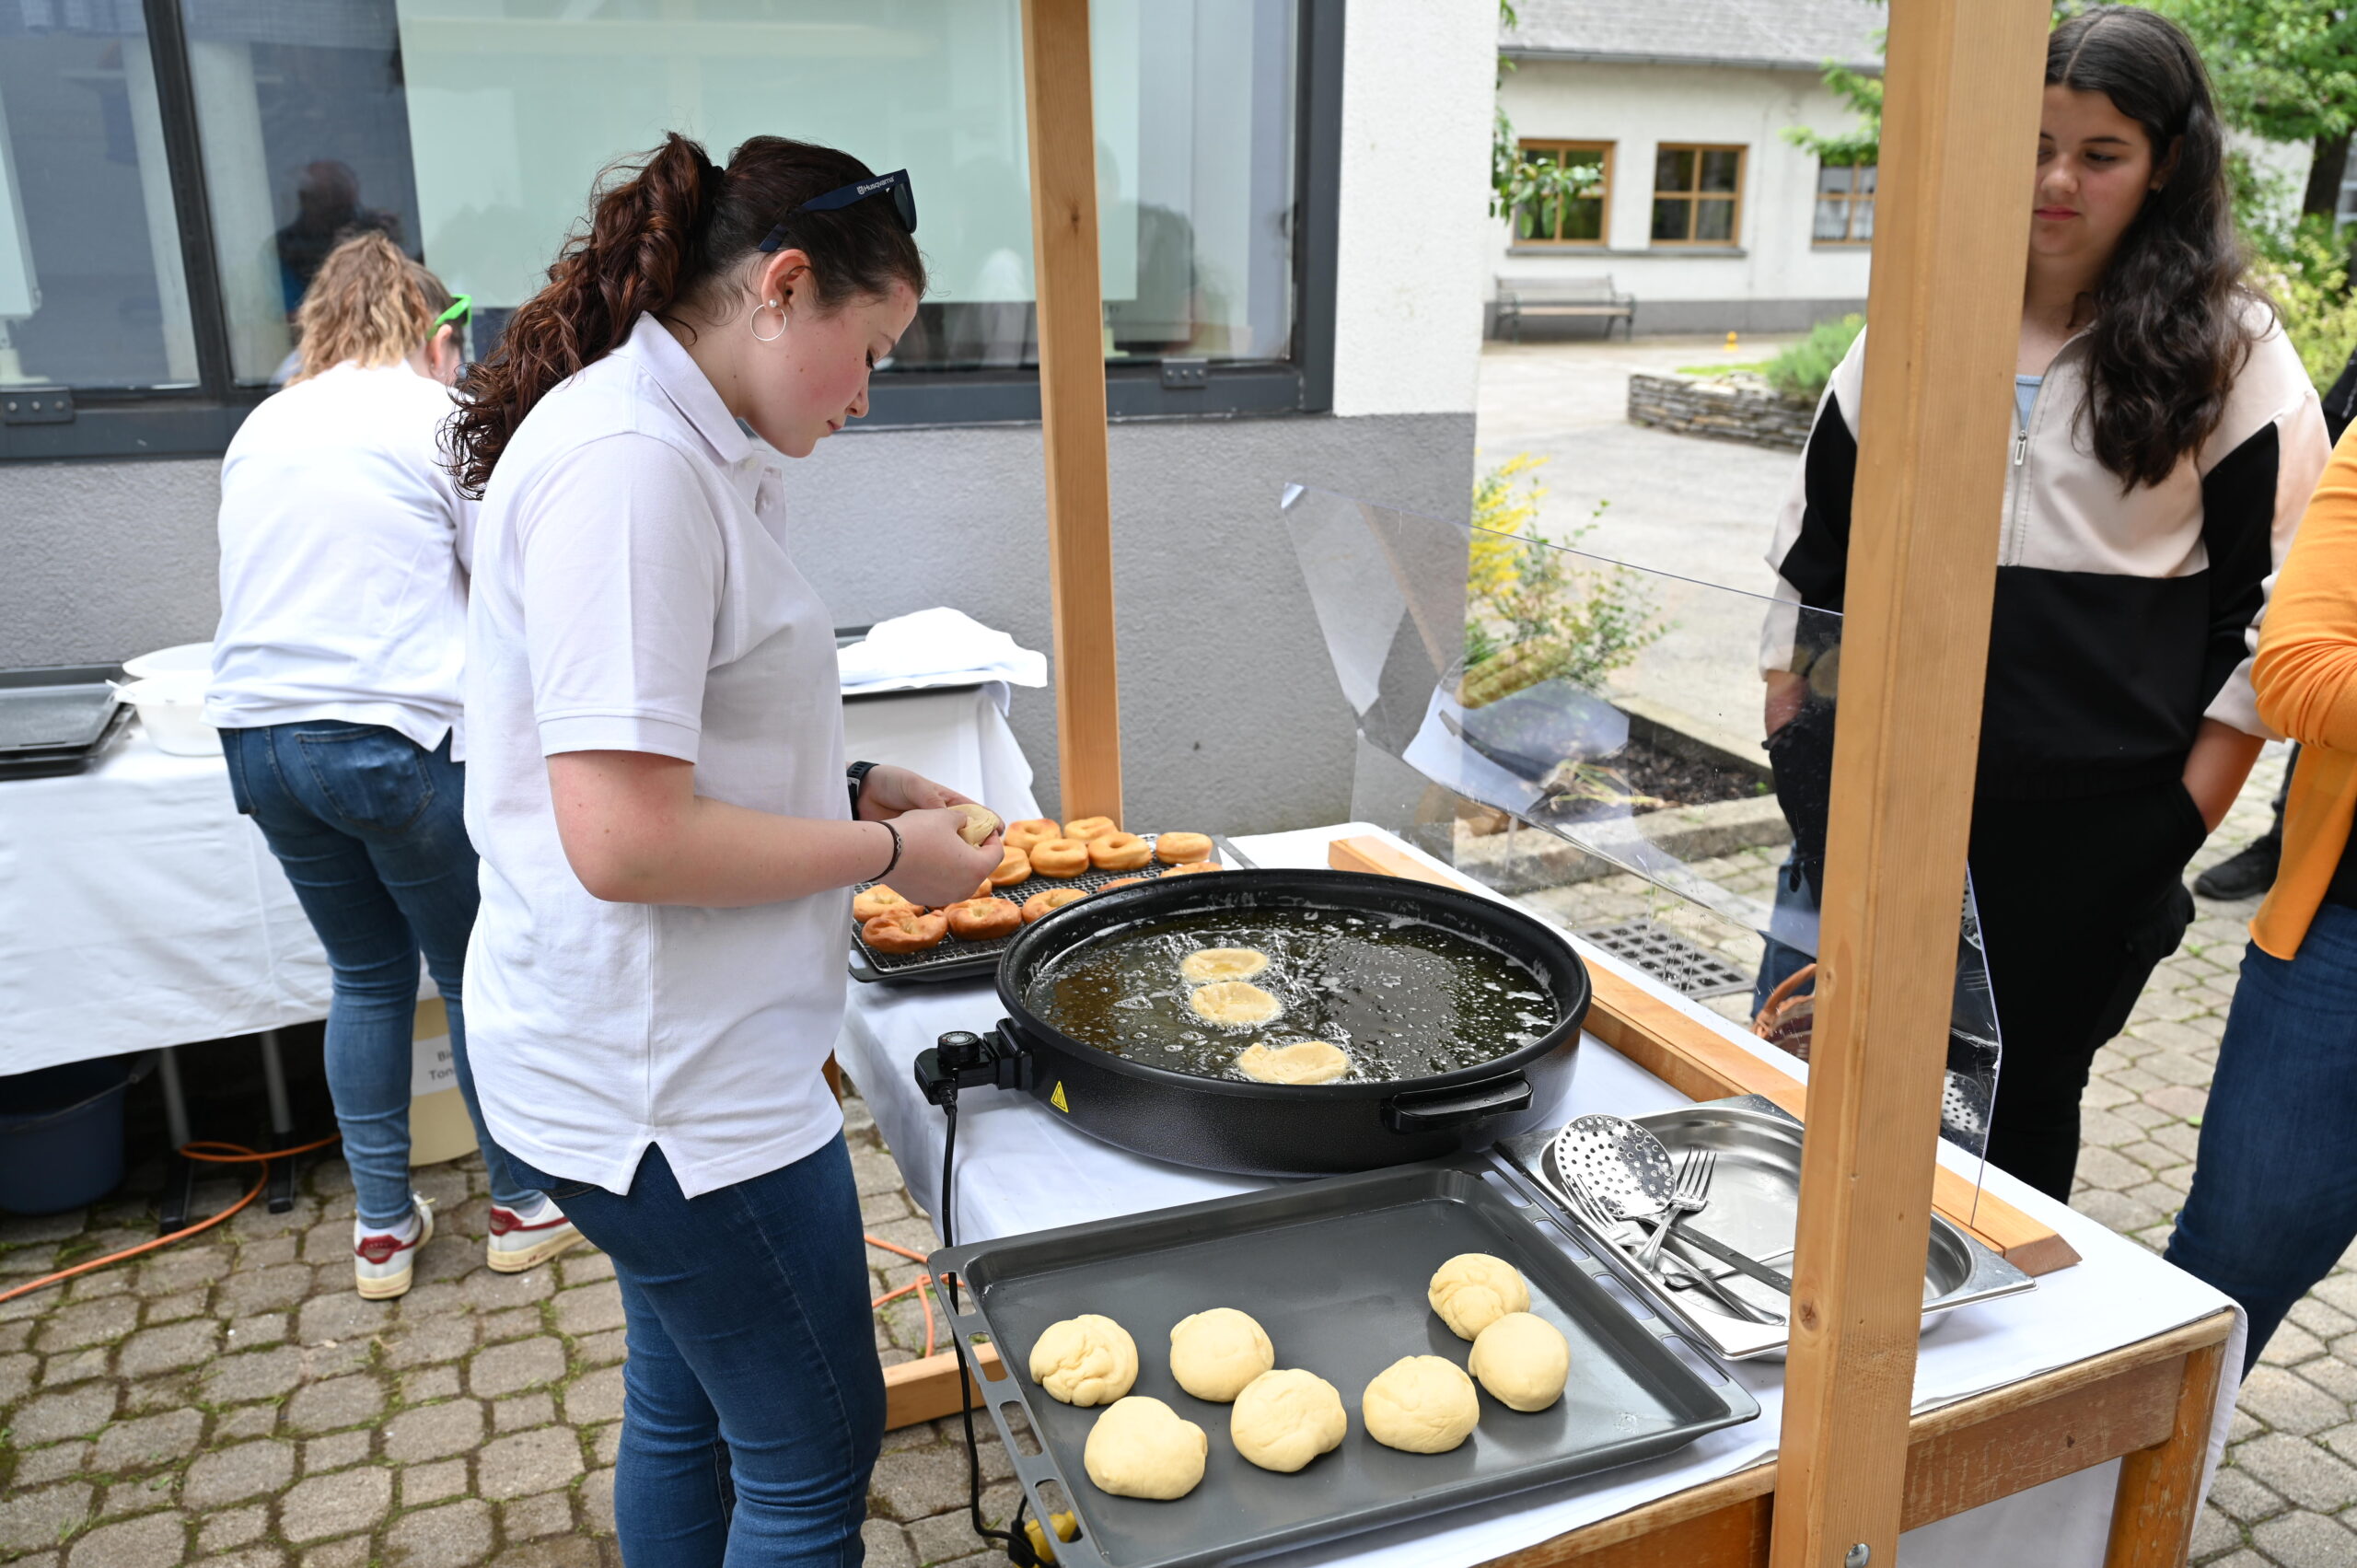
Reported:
(1087, 1360)
(1142, 1447)
(1420, 1404)
(1474, 1290)
(1284, 1420)
(1213, 1354)
(1523, 1360)
(981, 821)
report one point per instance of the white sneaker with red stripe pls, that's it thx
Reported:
(384, 1261)
(525, 1240)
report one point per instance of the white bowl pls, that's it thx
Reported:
(180, 659)
(172, 708)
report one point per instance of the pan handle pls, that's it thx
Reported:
(1435, 1110)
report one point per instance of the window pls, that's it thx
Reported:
(1567, 184)
(1845, 205)
(163, 206)
(1698, 195)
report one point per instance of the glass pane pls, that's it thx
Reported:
(92, 293)
(1715, 220)
(1866, 172)
(306, 134)
(1832, 176)
(1670, 217)
(1584, 218)
(515, 104)
(1862, 220)
(1549, 212)
(1720, 168)
(1832, 222)
(1589, 161)
(1674, 168)
(1530, 224)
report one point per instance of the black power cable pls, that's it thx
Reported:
(1017, 1545)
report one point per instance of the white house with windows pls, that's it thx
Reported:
(1699, 208)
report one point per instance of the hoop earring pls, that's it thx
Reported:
(756, 323)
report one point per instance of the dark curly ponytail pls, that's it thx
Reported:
(2172, 322)
(661, 230)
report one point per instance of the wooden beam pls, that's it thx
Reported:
(1962, 81)
(2160, 1488)
(926, 1390)
(1071, 403)
(1701, 1064)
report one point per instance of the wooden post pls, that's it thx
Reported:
(1072, 402)
(1959, 135)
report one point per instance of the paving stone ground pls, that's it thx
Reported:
(229, 1401)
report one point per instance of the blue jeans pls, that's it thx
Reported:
(753, 1403)
(368, 829)
(2275, 1199)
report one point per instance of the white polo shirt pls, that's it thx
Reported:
(344, 559)
(634, 592)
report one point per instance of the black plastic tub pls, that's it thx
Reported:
(1286, 1129)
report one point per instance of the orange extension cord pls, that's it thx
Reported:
(208, 1152)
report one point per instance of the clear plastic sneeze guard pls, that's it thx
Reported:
(1594, 738)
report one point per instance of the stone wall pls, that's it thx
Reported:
(1741, 407)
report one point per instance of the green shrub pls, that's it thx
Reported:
(1802, 370)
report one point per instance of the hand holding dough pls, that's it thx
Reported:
(1142, 1447)
(1087, 1360)
(1473, 1290)
(1213, 1354)
(1295, 1061)
(1284, 1420)
(1420, 1404)
(1232, 1003)
(981, 821)
(1523, 1361)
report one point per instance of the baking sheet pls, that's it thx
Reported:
(56, 708)
(1336, 1272)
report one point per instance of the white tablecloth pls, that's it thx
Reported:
(140, 909)
(1020, 1168)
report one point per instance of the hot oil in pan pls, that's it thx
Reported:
(1404, 999)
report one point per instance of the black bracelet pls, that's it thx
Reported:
(896, 851)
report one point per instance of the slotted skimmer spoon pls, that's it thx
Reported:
(1626, 1169)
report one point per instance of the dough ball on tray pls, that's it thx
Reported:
(1141, 1447)
(1420, 1404)
(1285, 1419)
(1523, 1360)
(1473, 1290)
(1087, 1360)
(1214, 1353)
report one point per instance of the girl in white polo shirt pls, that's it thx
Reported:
(659, 795)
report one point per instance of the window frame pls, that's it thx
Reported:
(1851, 200)
(198, 421)
(1603, 198)
(1694, 197)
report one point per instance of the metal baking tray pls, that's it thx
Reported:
(1336, 1270)
(46, 762)
(1755, 1202)
(56, 708)
(958, 959)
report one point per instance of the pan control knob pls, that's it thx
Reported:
(959, 1049)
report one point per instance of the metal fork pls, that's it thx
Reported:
(1692, 1196)
(1611, 1232)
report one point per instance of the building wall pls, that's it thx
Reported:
(1230, 713)
(1774, 278)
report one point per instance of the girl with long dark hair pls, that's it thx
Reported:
(667, 825)
(2167, 438)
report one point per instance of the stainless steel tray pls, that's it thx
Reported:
(47, 711)
(1336, 1272)
(1755, 1200)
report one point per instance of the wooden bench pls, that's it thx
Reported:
(1518, 298)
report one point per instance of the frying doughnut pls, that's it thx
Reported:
(981, 822)
(880, 900)
(1013, 867)
(1223, 963)
(1059, 858)
(1234, 1001)
(1193, 865)
(1295, 1061)
(978, 920)
(909, 930)
(1119, 852)
(1179, 849)
(1090, 827)
(1038, 906)
(1031, 831)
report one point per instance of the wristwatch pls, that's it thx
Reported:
(857, 775)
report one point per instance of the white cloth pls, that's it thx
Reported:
(1021, 1169)
(937, 647)
(344, 559)
(634, 592)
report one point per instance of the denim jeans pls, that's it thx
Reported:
(2274, 1198)
(753, 1403)
(368, 828)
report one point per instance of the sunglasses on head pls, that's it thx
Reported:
(904, 203)
(461, 308)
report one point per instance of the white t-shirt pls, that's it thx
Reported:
(344, 559)
(634, 592)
